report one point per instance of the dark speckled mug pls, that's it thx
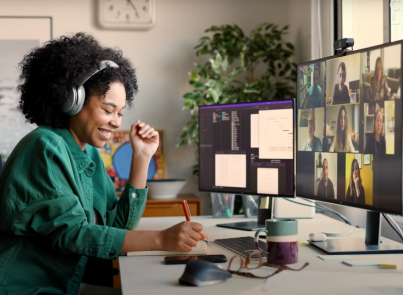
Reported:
(281, 239)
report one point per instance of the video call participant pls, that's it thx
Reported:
(376, 143)
(355, 192)
(325, 186)
(64, 210)
(314, 97)
(342, 140)
(379, 85)
(312, 143)
(340, 93)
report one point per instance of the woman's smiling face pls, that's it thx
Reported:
(99, 117)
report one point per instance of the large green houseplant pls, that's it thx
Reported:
(229, 75)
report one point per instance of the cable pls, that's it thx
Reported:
(392, 224)
(322, 208)
(395, 223)
(329, 210)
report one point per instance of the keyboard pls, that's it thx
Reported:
(242, 246)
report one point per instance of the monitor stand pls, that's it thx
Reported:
(265, 211)
(372, 244)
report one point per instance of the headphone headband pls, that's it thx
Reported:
(76, 96)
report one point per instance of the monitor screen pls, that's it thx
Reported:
(247, 148)
(349, 143)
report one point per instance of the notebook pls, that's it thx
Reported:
(200, 248)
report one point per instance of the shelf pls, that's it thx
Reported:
(171, 207)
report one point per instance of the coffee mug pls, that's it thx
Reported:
(281, 239)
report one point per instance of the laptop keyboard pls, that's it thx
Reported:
(242, 246)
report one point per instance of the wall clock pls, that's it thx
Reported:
(126, 14)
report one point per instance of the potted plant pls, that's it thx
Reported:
(230, 73)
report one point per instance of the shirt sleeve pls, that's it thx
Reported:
(63, 221)
(44, 204)
(130, 207)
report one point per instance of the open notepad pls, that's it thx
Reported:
(200, 248)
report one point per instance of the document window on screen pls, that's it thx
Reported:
(247, 148)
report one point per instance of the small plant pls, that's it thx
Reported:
(229, 76)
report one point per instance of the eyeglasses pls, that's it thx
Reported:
(245, 264)
(311, 122)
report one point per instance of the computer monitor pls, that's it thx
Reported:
(248, 149)
(349, 145)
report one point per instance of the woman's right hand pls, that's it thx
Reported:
(181, 237)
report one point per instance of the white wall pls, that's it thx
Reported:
(363, 21)
(164, 55)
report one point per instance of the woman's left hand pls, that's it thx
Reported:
(144, 139)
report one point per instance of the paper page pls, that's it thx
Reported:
(267, 181)
(230, 170)
(276, 134)
(254, 130)
(200, 248)
(334, 283)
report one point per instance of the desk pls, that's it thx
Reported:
(148, 274)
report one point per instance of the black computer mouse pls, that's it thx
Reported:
(203, 273)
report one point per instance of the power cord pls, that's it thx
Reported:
(393, 225)
(321, 207)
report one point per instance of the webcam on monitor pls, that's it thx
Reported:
(340, 46)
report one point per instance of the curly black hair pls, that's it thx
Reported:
(49, 72)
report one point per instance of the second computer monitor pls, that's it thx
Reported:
(247, 148)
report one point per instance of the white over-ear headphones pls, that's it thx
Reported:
(76, 97)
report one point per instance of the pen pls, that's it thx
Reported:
(186, 209)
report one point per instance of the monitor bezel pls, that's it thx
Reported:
(324, 59)
(229, 191)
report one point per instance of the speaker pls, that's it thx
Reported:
(76, 96)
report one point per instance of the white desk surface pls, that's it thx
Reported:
(149, 274)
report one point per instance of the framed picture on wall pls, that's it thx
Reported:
(367, 159)
(358, 158)
(18, 36)
(117, 154)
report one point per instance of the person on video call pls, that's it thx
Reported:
(59, 206)
(325, 186)
(342, 141)
(376, 143)
(379, 85)
(313, 97)
(312, 143)
(340, 93)
(355, 191)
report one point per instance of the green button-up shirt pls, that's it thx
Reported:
(49, 188)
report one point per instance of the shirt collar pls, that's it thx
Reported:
(81, 158)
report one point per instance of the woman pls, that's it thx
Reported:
(59, 206)
(342, 141)
(355, 191)
(379, 86)
(340, 93)
(376, 143)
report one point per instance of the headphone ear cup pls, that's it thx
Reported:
(80, 101)
(74, 102)
(70, 102)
